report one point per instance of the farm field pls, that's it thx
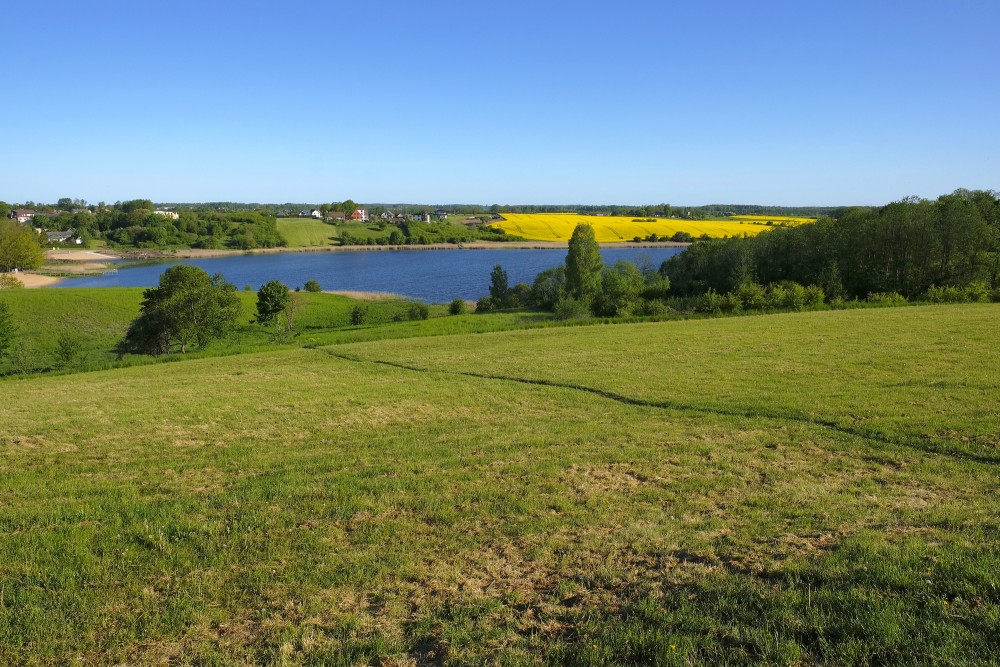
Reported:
(669, 493)
(607, 229)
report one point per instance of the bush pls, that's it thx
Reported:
(814, 295)
(548, 287)
(977, 292)
(520, 296)
(795, 295)
(68, 348)
(313, 286)
(487, 304)
(457, 307)
(682, 237)
(358, 315)
(652, 307)
(751, 296)
(569, 308)
(709, 302)
(419, 311)
(775, 296)
(9, 281)
(886, 299)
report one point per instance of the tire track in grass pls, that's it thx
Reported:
(919, 444)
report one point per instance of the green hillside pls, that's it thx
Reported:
(812, 488)
(306, 232)
(95, 319)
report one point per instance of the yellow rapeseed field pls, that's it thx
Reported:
(608, 229)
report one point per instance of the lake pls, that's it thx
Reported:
(435, 276)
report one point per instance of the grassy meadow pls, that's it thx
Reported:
(94, 320)
(306, 232)
(608, 229)
(810, 488)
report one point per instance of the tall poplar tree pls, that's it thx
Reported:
(583, 265)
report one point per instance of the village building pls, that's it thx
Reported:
(22, 215)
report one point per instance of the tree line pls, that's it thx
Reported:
(135, 223)
(946, 250)
(906, 247)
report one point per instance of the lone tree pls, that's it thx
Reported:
(273, 299)
(189, 308)
(499, 286)
(583, 265)
(19, 247)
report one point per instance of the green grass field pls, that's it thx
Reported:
(96, 319)
(812, 488)
(307, 232)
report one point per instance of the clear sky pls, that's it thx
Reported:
(784, 103)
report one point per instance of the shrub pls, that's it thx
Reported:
(68, 348)
(487, 304)
(548, 287)
(775, 296)
(652, 307)
(457, 307)
(359, 314)
(814, 295)
(886, 299)
(9, 281)
(751, 295)
(419, 311)
(313, 286)
(977, 292)
(520, 296)
(569, 308)
(709, 302)
(731, 303)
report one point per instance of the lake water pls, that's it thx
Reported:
(435, 276)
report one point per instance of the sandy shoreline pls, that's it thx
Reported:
(33, 280)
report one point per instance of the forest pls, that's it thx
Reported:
(906, 247)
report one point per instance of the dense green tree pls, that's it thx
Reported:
(312, 286)
(499, 285)
(272, 300)
(19, 247)
(548, 288)
(348, 207)
(8, 329)
(621, 286)
(136, 205)
(188, 309)
(583, 265)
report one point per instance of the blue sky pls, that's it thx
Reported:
(785, 103)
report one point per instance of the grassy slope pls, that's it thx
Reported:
(306, 232)
(301, 508)
(98, 318)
